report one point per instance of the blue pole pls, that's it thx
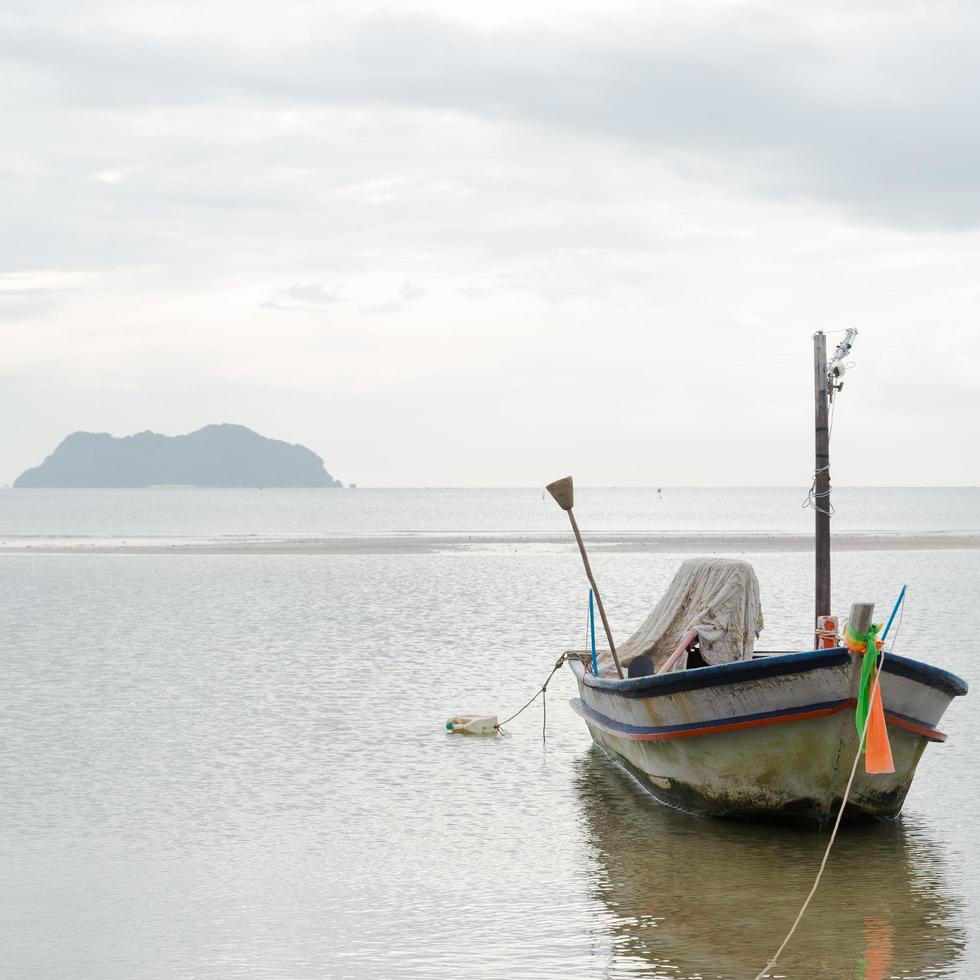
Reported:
(595, 664)
(898, 603)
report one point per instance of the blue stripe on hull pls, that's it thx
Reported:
(916, 670)
(777, 666)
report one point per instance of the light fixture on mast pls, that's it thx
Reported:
(835, 369)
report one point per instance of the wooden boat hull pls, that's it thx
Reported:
(772, 738)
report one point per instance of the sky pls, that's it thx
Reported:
(472, 244)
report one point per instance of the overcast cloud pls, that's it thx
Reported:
(451, 244)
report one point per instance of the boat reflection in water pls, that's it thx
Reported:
(696, 897)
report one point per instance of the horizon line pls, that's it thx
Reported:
(354, 485)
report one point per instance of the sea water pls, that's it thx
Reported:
(232, 763)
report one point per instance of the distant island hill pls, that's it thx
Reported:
(215, 456)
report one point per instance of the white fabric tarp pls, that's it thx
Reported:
(719, 597)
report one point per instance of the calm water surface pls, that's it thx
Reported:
(198, 514)
(234, 766)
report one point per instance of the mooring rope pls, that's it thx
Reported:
(840, 812)
(542, 691)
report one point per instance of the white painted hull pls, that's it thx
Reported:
(773, 738)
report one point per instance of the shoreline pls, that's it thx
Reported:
(442, 543)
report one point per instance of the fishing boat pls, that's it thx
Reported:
(709, 724)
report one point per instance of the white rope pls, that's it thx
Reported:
(826, 634)
(814, 499)
(840, 813)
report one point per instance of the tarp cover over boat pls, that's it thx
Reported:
(719, 597)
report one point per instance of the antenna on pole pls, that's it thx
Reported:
(835, 369)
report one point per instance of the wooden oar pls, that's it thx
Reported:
(564, 496)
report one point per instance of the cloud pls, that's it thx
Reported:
(19, 304)
(475, 204)
(114, 176)
(303, 296)
(30, 294)
(866, 108)
(406, 293)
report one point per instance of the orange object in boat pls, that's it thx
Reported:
(827, 632)
(878, 750)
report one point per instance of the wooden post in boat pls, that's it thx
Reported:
(821, 483)
(564, 495)
(860, 618)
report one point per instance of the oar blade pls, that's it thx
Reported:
(563, 493)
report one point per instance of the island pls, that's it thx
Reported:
(215, 456)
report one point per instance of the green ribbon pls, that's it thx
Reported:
(867, 674)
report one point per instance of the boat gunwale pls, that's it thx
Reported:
(780, 665)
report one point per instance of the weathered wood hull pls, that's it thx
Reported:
(769, 739)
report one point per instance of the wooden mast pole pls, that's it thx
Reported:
(821, 483)
(563, 493)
